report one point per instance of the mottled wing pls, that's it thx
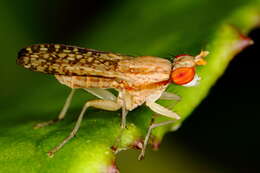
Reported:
(69, 60)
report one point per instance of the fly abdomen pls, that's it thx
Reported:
(89, 82)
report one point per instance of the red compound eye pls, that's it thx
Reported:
(183, 75)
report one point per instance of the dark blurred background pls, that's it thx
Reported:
(225, 127)
(221, 134)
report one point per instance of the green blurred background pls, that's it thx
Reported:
(222, 134)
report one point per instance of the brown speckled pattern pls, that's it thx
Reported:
(67, 60)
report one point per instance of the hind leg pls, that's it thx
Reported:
(100, 104)
(62, 113)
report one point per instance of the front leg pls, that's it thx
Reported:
(100, 104)
(162, 111)
(146, 139)
(169, 96)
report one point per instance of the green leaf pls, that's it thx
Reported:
(158, 28)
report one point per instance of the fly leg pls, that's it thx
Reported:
(101, 93)
(151, 127)
(107, 101)
(169, 96)
(100, 104)
(124, 113)
(61, 115)
(106, 95)
(150, 102)
(162, 111)
(123, 123)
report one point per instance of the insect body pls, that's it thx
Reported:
(138, 80)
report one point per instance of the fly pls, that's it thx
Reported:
(138, 80)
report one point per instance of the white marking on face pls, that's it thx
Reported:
(194, 82)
